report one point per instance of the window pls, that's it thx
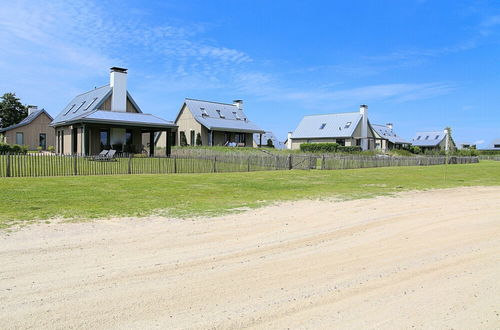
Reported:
(71, 108)
(90, 104)
(240, 138)
(437, 137)
(20, 138)
(236, 115)
(322, 126)
(128, 137)
(496, 146)
(340, 142)
(418, 137)
(104, 138)
(427, 137)
(204, 112)
(192, 141)
(348, 124)
(42, 141)
(79, 107)
(220, 114)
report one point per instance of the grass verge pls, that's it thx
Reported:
(25, 200)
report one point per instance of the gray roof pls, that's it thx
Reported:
(428, 139)
(86, 108)
(491, 146)
(327, 126)
(221, 116)
(34, 115)
(132, 118)
(266, 136)
(388, 133)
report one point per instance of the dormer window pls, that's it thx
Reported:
(348, 124)
(204, 112)
(418, 137)
(427, 137)
(236, 115)
(220, 114)
(322, 126)
(437, 137)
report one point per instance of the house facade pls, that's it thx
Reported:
(33, 131)
(387, 139)
(108, 118)
(346, 129)
(214, 124)
(261, 140)
(433, 141)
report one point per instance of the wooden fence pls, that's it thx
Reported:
(35, 165)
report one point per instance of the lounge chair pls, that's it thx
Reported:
(101, 155)
(109, 156)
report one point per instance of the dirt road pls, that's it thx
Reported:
(422, 259)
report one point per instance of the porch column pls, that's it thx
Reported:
(151, 144)
(84, 140)
(168, 148)
(260, 140)
(210, 138)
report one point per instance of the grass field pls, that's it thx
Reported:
(184, 195)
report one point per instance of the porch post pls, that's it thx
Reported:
(84, 140)
(151, 144)
(168, 150)
(210, 138)
(260, 140)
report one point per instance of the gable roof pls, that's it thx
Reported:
(30, 118)
(85, 103)
(220, 116)
(428, 139)
(266, 136)
(492, 145)
(327, 126)
(132, 118)
(388, 133)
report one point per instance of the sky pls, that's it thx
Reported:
(421, 65)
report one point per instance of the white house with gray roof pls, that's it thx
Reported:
(107, 118)
(387, 139)
(433, 141)
(216, 124)
(346, 129)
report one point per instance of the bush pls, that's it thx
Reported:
(349, 148)
(319, 147)
(270, 143)
(183, 140)
(198, 139)
(4, 148)
(51, 149)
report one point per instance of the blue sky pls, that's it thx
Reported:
(422, 65)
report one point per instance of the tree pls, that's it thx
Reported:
(198, 139)
(12, 111)
(270, 143)
(183, 140)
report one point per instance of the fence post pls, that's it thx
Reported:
(289, 159)
(248, 164)
(7, 168)
(215, 162)
(75, 166)
(129, 163)
(175, 164)
(323, 161)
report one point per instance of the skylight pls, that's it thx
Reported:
(204, 112)
(348, 124)
(236, 115)
(437, 137)
(418, 137)
(90, 104)
(71, 108)
(427, 137)
(322, 126)
(79, 107)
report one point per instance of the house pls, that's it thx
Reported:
(261, 140)
(466, 145)
(494, 145)
(216, 124)
(33, 131)
(346, 129)
(107, 118)
(433, 141)
(387, 139)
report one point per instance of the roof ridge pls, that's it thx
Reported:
(187, 98)
(90, 91)
(329, 114)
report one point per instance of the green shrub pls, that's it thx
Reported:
(349, 148)
(183, 140)
(270, 143)
(4, 148)
(319, 147)
(198, 139)
(51, 149)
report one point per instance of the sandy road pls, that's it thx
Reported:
(420, 260)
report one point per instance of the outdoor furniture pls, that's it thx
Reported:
(101, 154)
(109, 156)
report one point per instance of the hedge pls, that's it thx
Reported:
(13, 149)
(327, 147)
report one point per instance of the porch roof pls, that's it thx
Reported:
(123, 119)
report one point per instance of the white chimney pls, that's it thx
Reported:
(31, 109)
(389, 126)
(238, 104)
(289, 141)
(447, 141)
(118, 83)
(363, 110)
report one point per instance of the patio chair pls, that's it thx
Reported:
(101, 155)
(110, 156)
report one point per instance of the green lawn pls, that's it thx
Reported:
(185, 195)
